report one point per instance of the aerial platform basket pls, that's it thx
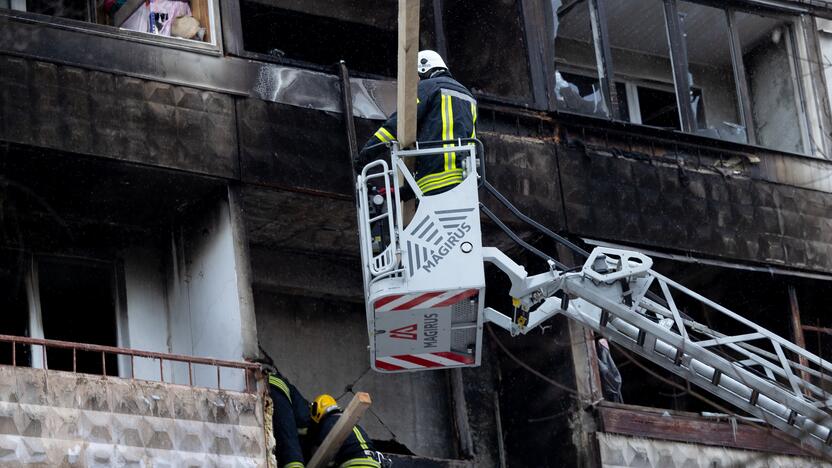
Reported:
(424, 281)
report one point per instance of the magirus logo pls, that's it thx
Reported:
(404, 333)
(435, 236)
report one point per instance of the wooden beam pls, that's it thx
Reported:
(815, 329)
(655, 423)
(797, 331)
(408, 78)
(329, 447)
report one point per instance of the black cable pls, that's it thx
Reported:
(517, 238)
(558, 238)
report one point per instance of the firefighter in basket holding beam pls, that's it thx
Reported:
(446, 110)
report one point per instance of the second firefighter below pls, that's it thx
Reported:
(445, 110)
(357, 449)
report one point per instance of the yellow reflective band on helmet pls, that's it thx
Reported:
(293, 465)
(279, 383)
(359, 462)
(360, 438)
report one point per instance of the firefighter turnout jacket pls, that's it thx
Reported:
(356, 451)
(290, 421)
(445, 110)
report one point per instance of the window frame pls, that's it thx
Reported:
(33, 297)
(209, 48)
(232, 28)
(533, 29)
(813, 124)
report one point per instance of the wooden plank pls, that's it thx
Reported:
(199, 10)
(797, 332)
(689, 427)
(408, 78)
(815, 329)
(329, 447)
(466, 440)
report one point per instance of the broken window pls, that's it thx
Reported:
(713, 98)
(184, 19)
(75, 301)
(486, 47)
(641, 58)
(767, 49)
(363, 34)
(577, 84)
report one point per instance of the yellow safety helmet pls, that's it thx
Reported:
(322, 405)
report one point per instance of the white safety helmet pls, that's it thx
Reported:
(428, 60)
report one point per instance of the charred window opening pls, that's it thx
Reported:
(486, 47)
(323, 33)
(711, 67)
(640, 54)
(718, 72)
(577, 81)
(77, 303)
(771, 74)
(183, 19)
(656, 107)
(809, 302)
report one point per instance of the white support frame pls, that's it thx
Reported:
(609, 297)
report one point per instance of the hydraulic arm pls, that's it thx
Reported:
(425, 292)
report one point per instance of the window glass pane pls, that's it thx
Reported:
(487, 47)
(577, 86)
(185, 19)
(78, 304)
(713, 97)
(362, 33)
(640, 55)
(771, 78)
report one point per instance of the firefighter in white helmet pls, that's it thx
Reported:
(446, 110)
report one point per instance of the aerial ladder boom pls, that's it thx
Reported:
(425, 304)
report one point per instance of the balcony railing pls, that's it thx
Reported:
(249, 369)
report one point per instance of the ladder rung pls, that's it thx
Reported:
(379, 217)
(678, 359)
(605, 318)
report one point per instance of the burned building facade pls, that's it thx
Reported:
(175, 192)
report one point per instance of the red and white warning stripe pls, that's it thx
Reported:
(423, 300)
(423, 361)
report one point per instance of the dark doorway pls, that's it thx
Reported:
(77, 301)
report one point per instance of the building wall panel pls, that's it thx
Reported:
(56, 106)
(688, 209)
(60, 419)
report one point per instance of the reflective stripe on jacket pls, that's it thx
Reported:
(354, 451)
(446, 110)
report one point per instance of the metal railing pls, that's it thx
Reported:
(249, 369)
